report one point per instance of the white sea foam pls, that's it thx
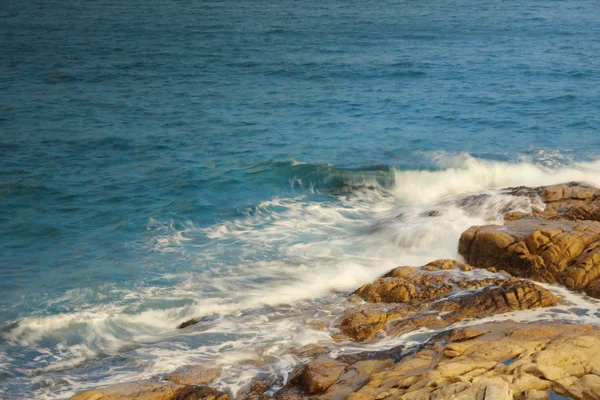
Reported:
(259, 278)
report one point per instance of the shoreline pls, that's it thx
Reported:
(557, 243)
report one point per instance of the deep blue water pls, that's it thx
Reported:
(156, 157)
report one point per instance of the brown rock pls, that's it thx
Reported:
(363, 322)
(151, 390)
(409, 298)
(321, 373)
(187, 323)
(587, 387)
(195, 375)
(308, 351)
(404, 285)
(559, 251)
(545, 357)
(291, 392)
(571, 201)
(355, 377)
(256, 390)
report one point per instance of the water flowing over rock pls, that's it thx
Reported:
(439, 294)
(571, 201)
(152, 390)
(558, 243)
(500, 360)
(194, 375)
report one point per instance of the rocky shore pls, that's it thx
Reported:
(557, 243)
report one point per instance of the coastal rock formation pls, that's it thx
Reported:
(572, 201)
(501, 360)
(552, 251)
(439, 294)
(194, 375)
(152, 390)
(556, 243)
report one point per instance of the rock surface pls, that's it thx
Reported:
(152, 390)
(502, 360)
(194, 375)
(571, 201)
(556, 243)
(556, 251)
(439, 294)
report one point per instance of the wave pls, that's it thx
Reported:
(321, 177)
(444, 174)
(278, 264)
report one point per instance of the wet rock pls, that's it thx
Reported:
(556, 251)
(194, 375)
(337, 378)
(152, 390)
(292, 392)
(310, 350)
(363, 322)
(431, 213)
(439, 294)
(470, 363)
(256, 390)
(405, 285)
(392, 353)
(321, 373)
(571, 201)
(187, 323)
(196, 321)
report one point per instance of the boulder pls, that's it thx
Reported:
(321, 373)
(556, 251)
(571, 201)
(435, 296)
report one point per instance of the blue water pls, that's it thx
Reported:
(165, 160)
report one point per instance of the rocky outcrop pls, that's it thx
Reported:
(152, 390)
(194, 375)
(505, 360)
(436, 296)
(556, 251)
(556, 243)
(571, 201)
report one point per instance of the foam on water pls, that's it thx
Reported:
(256, 281)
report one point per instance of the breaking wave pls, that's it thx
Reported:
(256, 280)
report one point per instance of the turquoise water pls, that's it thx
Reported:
(247, 161)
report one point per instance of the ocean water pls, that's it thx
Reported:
(250, 162)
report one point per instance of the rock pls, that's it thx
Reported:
(152, 390)
(363, 322)
(536, 395)
(587, 387)
(354, 377)
(470, 363)
(256, 390)
(194, 375)
(309, 351)
(571, 201)
(291, 392)
(187, 323)
(372, 355)
(439, 294)
(557, 251)
(321, 373)
(498, 391)
(405, 285)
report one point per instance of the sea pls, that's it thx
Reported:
(249, 163)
